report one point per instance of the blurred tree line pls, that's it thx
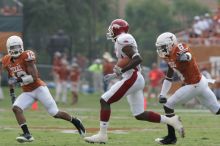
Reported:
(86, 23)
(150, 18)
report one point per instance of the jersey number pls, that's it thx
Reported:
(181, 48)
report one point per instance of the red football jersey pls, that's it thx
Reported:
(18, 68)
(75, 75)
(187, 71)
(56, 65)
(64, 71)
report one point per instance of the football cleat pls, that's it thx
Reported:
(175, 121)
(25, 138)
(166, 140)
(98, 138)
(79, 126)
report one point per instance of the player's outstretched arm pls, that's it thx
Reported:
(167, 83)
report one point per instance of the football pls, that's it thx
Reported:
(122, 62)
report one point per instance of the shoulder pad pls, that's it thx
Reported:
(6, 60)
(28, 55)
(125, 39)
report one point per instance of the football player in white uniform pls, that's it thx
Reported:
(131, 84)
(180, 60)
(22, 70)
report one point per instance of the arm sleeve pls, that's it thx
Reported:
(29, 56)
(165, 87)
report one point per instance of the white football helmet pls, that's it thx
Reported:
(14, 46)
(165, 43)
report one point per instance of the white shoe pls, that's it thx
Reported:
(98, 138)
(25, 138)
(166, 140)
(175, 121)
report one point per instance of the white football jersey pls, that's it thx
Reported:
(123, 40)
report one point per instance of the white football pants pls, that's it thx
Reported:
(200, 90)
(41, 94)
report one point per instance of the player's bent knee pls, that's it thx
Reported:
(139, 117)
(17, 109)
(104, 105)
(54, 113)
(103, 102)
(57, 115)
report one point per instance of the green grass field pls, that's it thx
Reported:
(202, 128)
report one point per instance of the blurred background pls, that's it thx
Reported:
(74, 31)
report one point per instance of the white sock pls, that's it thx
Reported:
(103, 127)
(164, 119)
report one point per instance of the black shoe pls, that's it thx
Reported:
(166, 140)
(25, 138)
(79, 126)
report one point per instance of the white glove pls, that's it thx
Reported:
(109, 77)
(184, 57)
(117, 70)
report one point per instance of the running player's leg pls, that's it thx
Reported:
(22, 102)
(44, 96)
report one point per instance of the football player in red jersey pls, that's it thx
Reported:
(75, 81)
(22, 70)
(181, 61)
(131, 84)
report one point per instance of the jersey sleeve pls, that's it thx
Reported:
(126, 40)
(5, 61)
(29, 56)
(182, 48)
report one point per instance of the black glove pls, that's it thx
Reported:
(13, 96)
(162, 99)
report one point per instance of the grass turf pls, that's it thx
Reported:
(202, 128)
